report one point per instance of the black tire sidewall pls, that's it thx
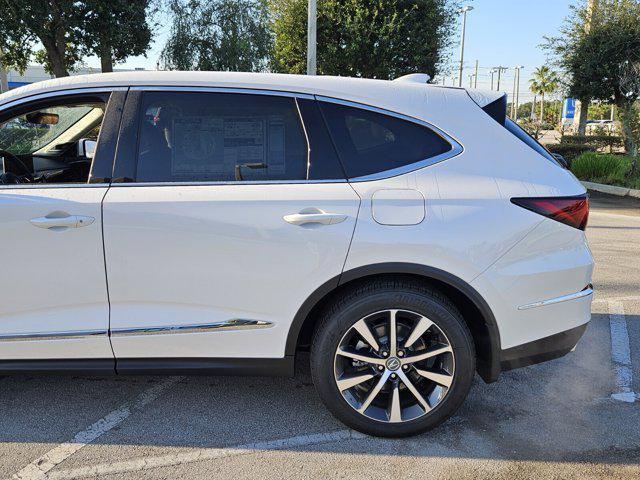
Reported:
(339, 320)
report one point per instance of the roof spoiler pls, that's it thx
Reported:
(414, 78)
(493, 103)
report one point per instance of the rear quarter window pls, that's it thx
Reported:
(369, 142)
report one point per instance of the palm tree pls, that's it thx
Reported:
(544, 81)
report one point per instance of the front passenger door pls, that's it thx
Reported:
(53, 291)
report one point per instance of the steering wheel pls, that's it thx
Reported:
(21, 166)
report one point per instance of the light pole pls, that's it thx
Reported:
(463, 11)
(312, 29)
(492, 71)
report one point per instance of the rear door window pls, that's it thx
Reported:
(370, 142)
(209, 137)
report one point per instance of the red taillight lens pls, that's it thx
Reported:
(572, 211)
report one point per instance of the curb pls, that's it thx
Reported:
(612, 189)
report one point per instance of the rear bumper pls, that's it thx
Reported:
(542, 350)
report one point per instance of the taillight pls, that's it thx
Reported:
(572, 211)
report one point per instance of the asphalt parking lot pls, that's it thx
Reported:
(556, 420)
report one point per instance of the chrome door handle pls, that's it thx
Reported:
(62, 223)
(314, 215)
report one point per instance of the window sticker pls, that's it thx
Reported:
(222, 145)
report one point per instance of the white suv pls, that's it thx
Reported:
(407, 235)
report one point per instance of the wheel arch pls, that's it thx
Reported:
(471, 304)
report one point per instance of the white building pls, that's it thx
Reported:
(37, 73)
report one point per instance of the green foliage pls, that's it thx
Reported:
(365, 38)
(113, 30)
(70, 29)
(569, 150)
(544, 82)
(599, 49)
(218, 35)
(24, 23)
(605, 168)
(594, 141)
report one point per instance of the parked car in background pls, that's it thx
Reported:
(407, 235)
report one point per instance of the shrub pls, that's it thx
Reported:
(595, 141)
(569, 150)
(600, 168)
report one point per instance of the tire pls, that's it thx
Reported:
(395, 411)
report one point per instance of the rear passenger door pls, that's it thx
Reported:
(227, 211)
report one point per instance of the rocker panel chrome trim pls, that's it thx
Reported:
(235, 324)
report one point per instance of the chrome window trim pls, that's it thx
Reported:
(564, 298)
(456, 147)
(248, 91)
(223, 183)
(234, 324)
(59, 93)
(29, 337)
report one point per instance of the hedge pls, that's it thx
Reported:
(569, 150)
(596, 141)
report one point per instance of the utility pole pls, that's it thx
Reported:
(312, 29)
(463, 11)
(471, 75)
(499, 70)
(492, 71)
(475, 82)
(582, 104)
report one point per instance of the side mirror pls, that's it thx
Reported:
(42, 118)
(87, 148)
(561, 160)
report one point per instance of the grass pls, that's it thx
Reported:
(605, 168)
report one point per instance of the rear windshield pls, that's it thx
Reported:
(519, 132)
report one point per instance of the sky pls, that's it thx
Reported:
(499, 33)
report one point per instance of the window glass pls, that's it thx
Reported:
(197, 136)
(370, 142)
(23, 135)
(52, 144)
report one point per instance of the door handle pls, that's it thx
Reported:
(62, 223)
(314, 215)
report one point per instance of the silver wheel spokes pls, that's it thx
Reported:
(394, 365)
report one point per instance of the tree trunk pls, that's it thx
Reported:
(106, 63)
(583, 116)
(55, 54)
(630, 119)
(542, 109)
(106, 59)
(4, 81)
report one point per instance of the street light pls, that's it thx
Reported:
(463, 11)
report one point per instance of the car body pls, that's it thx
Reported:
(223, 214)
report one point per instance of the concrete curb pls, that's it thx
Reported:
(612, 189)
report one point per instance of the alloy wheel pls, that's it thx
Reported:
(394, 366)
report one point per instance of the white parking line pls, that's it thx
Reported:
(201, 455)
(621, 353)
(39, 468)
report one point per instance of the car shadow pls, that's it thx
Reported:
(558, 411)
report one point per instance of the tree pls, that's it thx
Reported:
(218, 35)
(113, 30)
(25, 22)
(365, 38)
(603, 62)
(544, 81)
